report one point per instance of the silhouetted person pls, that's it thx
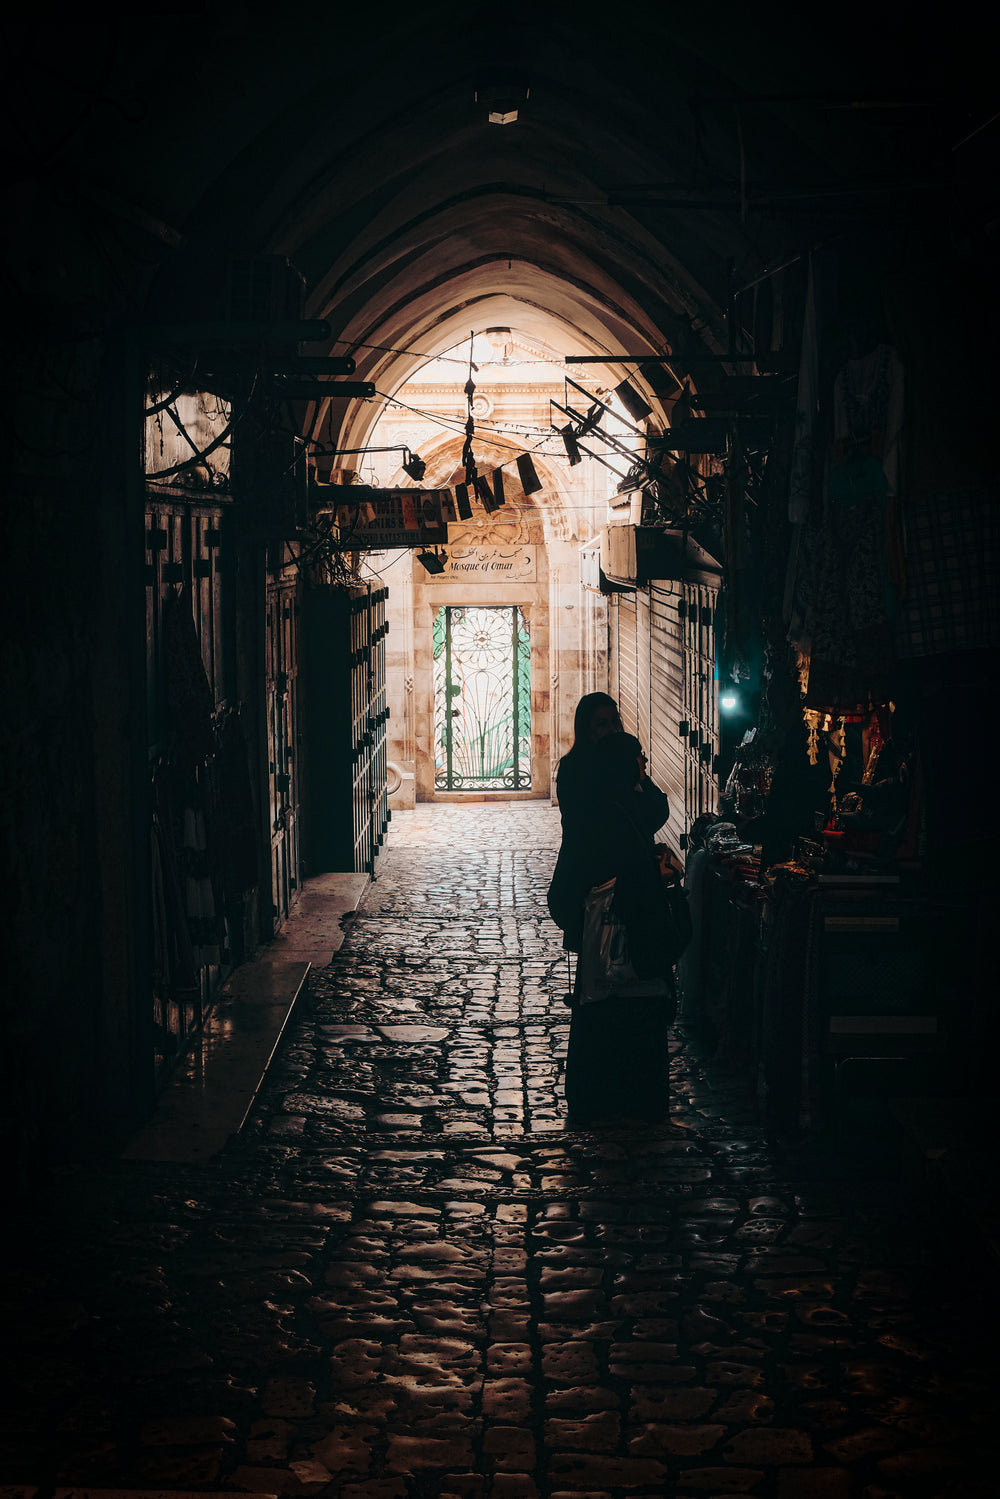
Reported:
(618, 1061)
(596, 718)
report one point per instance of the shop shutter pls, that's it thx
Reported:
(627, 676)
(700, 701)
(663, 667)
(643, 648)
(666, 695)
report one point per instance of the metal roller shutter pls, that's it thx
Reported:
(666, 692)
(627, 676)
(643, 663)
(700, 702)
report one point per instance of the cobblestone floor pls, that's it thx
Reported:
(406, 1278)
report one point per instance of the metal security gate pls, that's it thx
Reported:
(345, 799)
(189, 631)
(482, 699)
(283, 735)
(369, 712)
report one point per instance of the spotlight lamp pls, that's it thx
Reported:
(415, 466)
(633, 402)
(431, 561)
(570, 444)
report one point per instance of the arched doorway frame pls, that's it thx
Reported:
(552, 610)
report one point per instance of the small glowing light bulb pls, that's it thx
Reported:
(729, 701)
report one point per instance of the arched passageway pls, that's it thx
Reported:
(653, 186)
(523, 552)
(745, 221)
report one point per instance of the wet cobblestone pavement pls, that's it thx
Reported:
(407, 1278)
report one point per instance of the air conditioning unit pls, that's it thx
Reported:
(637, 555)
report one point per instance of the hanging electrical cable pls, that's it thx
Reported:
(200, 455)
(468, 457)
(450, 358)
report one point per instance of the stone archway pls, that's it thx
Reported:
(546, 588)
(546, 528)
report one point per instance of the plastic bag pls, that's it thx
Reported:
(606, 969)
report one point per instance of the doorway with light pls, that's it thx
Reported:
(482, 699)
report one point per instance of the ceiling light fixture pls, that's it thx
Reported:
(503, 96)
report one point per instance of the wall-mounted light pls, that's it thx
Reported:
(431, 561)
(415, 466)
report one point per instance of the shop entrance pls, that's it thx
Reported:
(482, 699)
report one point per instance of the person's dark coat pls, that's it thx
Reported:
(609, 819)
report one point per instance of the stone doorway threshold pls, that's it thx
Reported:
(463, 798)
(212, 1090)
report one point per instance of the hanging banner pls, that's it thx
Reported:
(487, 564)
(381, 519)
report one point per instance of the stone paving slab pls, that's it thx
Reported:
(407, 1279)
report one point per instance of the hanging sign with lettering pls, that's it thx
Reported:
(379, 519)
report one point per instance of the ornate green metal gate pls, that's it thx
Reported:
(482, 699)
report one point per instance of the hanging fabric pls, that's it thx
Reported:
(190, 699)
(846, 589)
(237, 813)
(200, 906)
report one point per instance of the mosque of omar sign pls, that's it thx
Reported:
(489, 564)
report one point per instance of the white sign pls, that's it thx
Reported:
(489, 564)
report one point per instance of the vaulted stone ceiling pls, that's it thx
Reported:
(663, 152)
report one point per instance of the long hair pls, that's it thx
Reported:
(586, 709)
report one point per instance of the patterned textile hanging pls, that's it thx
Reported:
(847, 593)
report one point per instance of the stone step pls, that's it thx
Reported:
(213, 1087)
(212, 1090)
